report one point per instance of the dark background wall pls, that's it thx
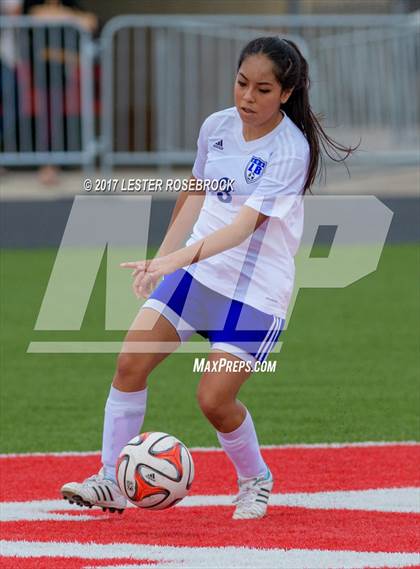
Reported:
(31, 224)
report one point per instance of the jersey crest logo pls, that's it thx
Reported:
(254, 169)
(218, 144)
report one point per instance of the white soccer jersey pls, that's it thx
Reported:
(268, 175)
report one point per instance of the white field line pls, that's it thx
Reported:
(400, 500)
(214, 557)
(218, 449)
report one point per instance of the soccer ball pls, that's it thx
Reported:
(155, 471)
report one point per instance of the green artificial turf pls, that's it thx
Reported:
(348, 369)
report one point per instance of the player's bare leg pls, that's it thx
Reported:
(134, 363)
(125, 407)
(217, 394)
(217, 397)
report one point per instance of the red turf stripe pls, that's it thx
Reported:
(67, 562)
(290, 528)
(295, 470)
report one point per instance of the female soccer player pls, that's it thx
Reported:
(233, 279)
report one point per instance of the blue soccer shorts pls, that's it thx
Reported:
(229, 325)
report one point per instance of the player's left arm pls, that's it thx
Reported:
(245, 223)
(275, 196)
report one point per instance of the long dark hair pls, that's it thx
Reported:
(291, 71)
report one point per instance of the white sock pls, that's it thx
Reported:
(124, 415)
(241, 446)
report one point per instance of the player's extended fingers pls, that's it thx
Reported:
(129, 265)
(136, 265)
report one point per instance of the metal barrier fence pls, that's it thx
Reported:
(46, 89)
(175, 73)
(162, 75)
(373, 75)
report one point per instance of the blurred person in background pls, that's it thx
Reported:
(62, 59)
(8, 68)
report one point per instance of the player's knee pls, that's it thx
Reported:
(132, 369)
(211, 404)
